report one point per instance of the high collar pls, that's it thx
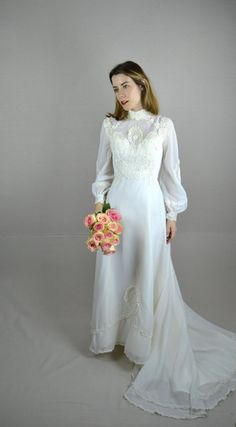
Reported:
(140, 114)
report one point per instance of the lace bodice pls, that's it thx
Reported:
(143, 146)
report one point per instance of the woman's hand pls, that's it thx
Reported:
(98, 207)
(170, 230)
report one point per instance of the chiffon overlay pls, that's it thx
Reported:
(183, 365)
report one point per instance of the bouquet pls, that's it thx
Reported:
(105, 229)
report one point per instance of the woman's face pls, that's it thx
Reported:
(127, 92)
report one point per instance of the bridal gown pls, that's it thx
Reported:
(183, 365)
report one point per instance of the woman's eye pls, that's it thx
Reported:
(115, 90)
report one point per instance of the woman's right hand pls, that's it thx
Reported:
(98, 207)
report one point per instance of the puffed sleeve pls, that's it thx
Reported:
(104, 167)
(174, 194)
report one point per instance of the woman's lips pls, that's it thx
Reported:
(124, 102)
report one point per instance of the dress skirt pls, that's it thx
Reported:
(183, 364)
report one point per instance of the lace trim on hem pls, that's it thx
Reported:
(159, 410)
(95, 331)
(135, 302)
(223, 390)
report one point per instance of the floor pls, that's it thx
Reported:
(48, 376)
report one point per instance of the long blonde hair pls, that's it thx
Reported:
(148, 99)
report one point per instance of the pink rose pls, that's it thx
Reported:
(107, 247)
(113, 226)
(115, 240)
(103, 218)
(98, 236)
(92, 245)
(119, 228)
(98, 226)
(89, 220)
(113, 214)
(108, 234)
(110, 250)
(104, 230)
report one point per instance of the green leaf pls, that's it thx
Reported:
(105, 207)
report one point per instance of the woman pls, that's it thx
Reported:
(183, 364)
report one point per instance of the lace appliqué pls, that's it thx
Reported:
(110, 123)
(132, 303)
(160, 123)
(140, 115)
(162, 126)
(136, 155)
(135, 135)
(132, 298)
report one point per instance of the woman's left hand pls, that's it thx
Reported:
(171, 229)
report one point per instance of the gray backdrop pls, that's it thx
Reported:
(55, 59)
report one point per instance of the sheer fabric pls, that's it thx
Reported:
(160, 133)
(183, 364)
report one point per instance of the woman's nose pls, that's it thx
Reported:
(121, 94)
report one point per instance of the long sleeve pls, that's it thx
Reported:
(104, 168)
(174, 194)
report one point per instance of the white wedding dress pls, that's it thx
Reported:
(183, 364)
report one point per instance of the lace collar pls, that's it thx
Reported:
(140, 114)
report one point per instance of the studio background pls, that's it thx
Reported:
(55, 92)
